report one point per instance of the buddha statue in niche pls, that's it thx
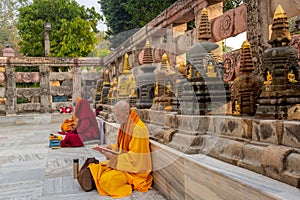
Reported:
(236, 108)
(291, 77)
(210, 71)
(268, 78)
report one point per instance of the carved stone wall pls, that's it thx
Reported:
(39, 98)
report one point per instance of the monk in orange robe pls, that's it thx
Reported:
(130, 167)
(69, 123)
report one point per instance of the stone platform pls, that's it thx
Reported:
(198, 176)
(29, 169)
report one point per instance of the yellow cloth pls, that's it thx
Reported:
(130, 170)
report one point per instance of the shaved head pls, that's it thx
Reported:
(121, 111)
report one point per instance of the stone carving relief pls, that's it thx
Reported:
(254, 32)
(225, 24)
(231, 65)
(296, 43)
(28, 92)
(27, 77)
(60, 90)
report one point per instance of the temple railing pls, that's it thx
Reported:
(43, 85)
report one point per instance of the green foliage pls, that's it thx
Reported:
(144, 11)
(125, 17)
(27, 69)
(73, 28)
(230, 4)
(8, 23)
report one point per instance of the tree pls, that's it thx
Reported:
(144, 11)
(230, 4)
(73, 28)
(8, 23)
(125, 17)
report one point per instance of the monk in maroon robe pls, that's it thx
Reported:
(87, 126)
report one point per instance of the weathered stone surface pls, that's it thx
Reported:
(237, 127)
(157, 117)
(192, 125)
(189, 144)
(291, 134)
(252, 155)
(273, 158)
(292, 172)
(227, 150)
(171, 120)
(294, 112)
(168, 173)
(267, 131)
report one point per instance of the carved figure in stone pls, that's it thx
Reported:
(169, 89)
(236, 108)
(210, 70)
(190, 72)
(291, 77)
(269, 78)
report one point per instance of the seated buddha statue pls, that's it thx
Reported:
(268, 78)
(291, 77)
(169, 89)
(210, 71)
(236, 108)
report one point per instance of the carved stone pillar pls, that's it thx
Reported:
(257, 30)
(76, 81)
(11, 93)
(45, 88)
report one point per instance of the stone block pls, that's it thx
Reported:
(240, 17)
(223, 149)
(274, 156)
(168, 172)
(237, 127)
(294, 112)
(269, 131)
(189, 144)
(291, 134)
(192, 125)
(157, 117)
(252, 155)
(171, 120)
(292, 172)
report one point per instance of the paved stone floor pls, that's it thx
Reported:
(29, 169)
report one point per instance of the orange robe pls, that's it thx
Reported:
(130, 170)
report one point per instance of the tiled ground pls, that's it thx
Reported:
(29, 169)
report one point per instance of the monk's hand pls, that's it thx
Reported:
(108, 155)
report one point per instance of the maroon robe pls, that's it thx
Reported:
(87, 126)
(71, 139)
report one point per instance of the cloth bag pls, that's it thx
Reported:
(85, 178)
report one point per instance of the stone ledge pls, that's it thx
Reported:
(181, 176)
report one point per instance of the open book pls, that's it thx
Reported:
(101, 148)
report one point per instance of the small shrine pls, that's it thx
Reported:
(127, 83)
(281, 89)
(146, 80)
(113, 92)
(247, 87)
(164, 87)
(205, 90)
(106, 87)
